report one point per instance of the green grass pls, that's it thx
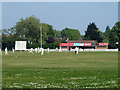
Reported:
(60, 70)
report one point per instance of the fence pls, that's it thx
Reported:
(79, 50)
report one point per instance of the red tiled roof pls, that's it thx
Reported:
(80, 41)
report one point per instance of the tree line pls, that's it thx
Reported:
(29, 29)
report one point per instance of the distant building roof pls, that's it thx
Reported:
(80, 41)
(63, 39)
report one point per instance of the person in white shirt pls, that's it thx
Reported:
(76, 50)
(0, 51)
(39, 50)
(13, 50)
(48, 50)
(60, 49)
(35, 50)
(31, 51)
(6, 51)
(42, 51)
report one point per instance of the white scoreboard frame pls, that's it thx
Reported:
(20, 45)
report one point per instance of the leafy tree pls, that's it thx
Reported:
(105, 40)
(72, 34)
(107, 32)
(50, 40)
(8, 41)
(112, 40)
(86, 38)
(101, 36)
(57, 34)
(113, 35)
(57, 42)
(93, 33)
(47, 31)
(116, 30)
(106, 35)
(28, 29)
(51, 31)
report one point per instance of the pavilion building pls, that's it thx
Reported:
(83, 44)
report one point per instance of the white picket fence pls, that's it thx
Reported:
(79, 50)
(99, 50)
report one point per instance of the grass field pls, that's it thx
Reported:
(60, 70)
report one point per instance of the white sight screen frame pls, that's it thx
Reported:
(20, 45)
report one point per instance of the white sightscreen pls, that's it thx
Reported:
(20, 45)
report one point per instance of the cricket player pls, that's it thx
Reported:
(13, 50)
(48, 50)
(42, 51)
(31, 51)
(6, 51)
(35, 50)
(76, 50)
(60, 49)
(0, 51)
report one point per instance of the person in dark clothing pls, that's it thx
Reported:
(69, 49)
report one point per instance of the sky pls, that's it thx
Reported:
(75, 15)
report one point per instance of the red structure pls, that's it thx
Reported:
(66, 44)
(84, 44)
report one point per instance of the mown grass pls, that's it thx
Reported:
(60, 70)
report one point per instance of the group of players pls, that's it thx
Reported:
(38, 50)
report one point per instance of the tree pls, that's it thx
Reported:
(51, 31)
(28, 29)
(57, 34)
(93, 33)
(8, 41)
(47, 31)
(57, 42)
(50, 40)
(112, 40)
(116, 30)
(107, 32)
(72, 34)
